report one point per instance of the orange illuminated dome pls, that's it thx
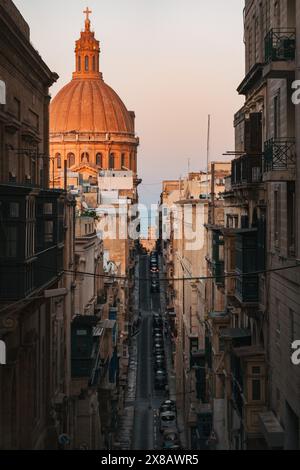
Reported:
(88, 104)
(89, 123)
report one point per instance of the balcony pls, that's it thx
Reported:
(280, 51)
(247, 291)
(218, 258)
(31, 240)
(89, 352)
(19, 280)
(218, 273)
(246, 171)
(248, 385)
(279, 161)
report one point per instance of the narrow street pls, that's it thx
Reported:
(148, 400)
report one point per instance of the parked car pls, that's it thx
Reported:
(154, 267)
(157, 331)
(158, 354)
(160, 379)
(168, 420)
(158, 350)
(160, 365)
(157, 323)
(158, 337)
(167, 405)
(171, 438)
(155, 287)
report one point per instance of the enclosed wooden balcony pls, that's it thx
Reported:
(246, 171)
(31, 240)
(247, 282)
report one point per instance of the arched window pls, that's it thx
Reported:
(85, 158)
(94, 63)
(79, 64)
(112, 161)
(71, 159)
(86, 63)
(99, 159)
(123, 160)
(58, 160)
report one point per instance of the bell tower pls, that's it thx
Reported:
(87, 52)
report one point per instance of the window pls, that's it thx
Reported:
(292, 326)
(71, 160)
(48, 208)
(256, 389)
(291, 217)
(14, 210)
(85, 158)
(86, 63)
(48, 231)
(112, 161)
(11, 242)
(17, 108)
(276, 218)
(276, 106)
(99, 159)
(79, 64)
(58, 160)
(278, 324)
(123, 160)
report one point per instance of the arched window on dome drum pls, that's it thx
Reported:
(112, 161)
(71, 159)
(123, 160)
(58, 160)
(79, 64)
(99, 159)
(85, 158)
(86, 63)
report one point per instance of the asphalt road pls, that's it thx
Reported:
(145, 433)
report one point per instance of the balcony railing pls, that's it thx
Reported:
(280, 45)
(246, 170)
(280, 154)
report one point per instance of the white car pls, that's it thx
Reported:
(167, 420)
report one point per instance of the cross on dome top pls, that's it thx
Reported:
(87, 12)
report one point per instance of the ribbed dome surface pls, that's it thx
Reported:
(89, 105)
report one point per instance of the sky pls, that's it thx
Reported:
(171, 61)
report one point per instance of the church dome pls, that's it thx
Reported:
(87, 104)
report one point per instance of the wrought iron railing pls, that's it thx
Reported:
(279, 154)
(280, 45)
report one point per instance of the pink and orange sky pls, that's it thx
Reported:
(171, 61)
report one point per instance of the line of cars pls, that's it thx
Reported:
(168, 425)
(154, 271)
(167, 410)
(159, 363)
